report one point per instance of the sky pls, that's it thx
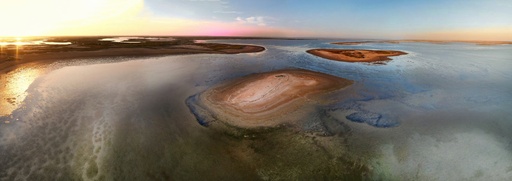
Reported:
(370, 19)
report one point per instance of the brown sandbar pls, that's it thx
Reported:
(256, 100)
(346, 55)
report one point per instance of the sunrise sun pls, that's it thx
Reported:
(35, 18)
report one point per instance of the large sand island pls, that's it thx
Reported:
(345, 55)
(257, 100)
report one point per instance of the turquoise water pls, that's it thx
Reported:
(443, 114)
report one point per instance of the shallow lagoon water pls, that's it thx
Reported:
(445, 111)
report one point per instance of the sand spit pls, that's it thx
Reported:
(426, 41)
(257, 100)
(21, 65)
(13, 56)
(7, 62)
(370, 56)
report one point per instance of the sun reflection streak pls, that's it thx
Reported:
(16, 56)
(1, 50)
(2, 44)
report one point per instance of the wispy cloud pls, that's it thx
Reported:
(222, 2)
(254, 20)
(206, 0)
(228, 12)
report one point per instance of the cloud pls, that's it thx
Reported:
(164, 26)
(206, 0)
(254, 20)
(219, 1)
(228, 12)
(131, 18)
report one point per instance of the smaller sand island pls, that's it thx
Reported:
(257, 100)
(346, 55)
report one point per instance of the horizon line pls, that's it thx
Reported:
(259, 37)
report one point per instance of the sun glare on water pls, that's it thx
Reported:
(14, 92)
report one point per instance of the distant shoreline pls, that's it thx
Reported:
(425, 41)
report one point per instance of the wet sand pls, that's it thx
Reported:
(346, 55)
(257, 100)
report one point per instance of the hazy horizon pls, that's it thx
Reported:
(433, 20)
